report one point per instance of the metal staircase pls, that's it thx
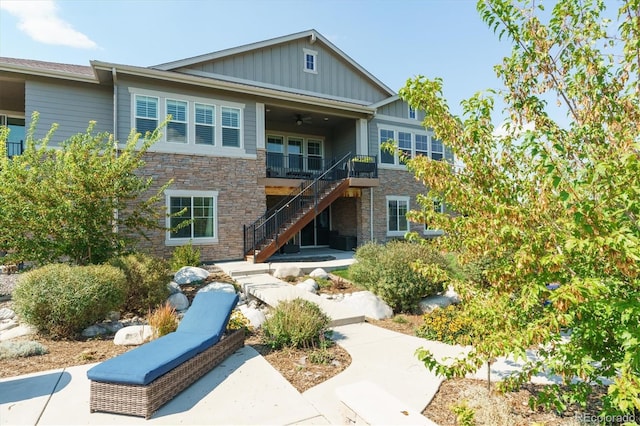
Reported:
(272, 230)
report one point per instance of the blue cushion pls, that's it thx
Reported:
(209, 313)
(146, 363)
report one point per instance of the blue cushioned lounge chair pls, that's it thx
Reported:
(140, 381)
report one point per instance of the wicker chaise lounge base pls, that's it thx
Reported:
(143, 401)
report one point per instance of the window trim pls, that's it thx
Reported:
(395, 130)
(313, 54)
(397, 198)
(186, 122)
(434, 232)
(412, 113)
(134, 111)
(171, 193)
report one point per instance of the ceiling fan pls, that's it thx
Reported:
(303, 119)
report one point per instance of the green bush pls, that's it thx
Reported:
(400, 272)
(147, 281)
(296, 323)
(10, 349)
(62, 300)
(185, 255)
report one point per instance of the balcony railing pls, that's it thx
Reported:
(297, 166)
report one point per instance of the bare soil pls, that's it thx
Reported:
(296, 366)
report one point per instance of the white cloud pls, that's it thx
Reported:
(39, 20)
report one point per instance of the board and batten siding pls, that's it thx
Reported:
(399, 109)
(178, 91)
(71, 105)
(282, 65)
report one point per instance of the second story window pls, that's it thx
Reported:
(412, 113)
(231, 127)
(146, 114)
(177, 127)
(310, 61)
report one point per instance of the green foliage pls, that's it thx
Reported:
(342, 273)
(320, 356)
(547, 202)
(10, 349)
(448, 325)
(61, 204)
(62, 300)
(400, 272)
(465, 416)
(147, 281)
(296, 323)
(163, 319)
(185, 255)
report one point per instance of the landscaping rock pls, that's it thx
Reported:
(190, 274)
(217, 286)
(173, 287)
(19, 331)
(8, 324)
(367, 304)
(283, 271)
(449, 297)
(95, 330)
(133, 335)
(6, 313)
(309, 285)
(319, 273)
(255, 316)
(179, 301)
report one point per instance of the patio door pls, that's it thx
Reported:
(316, 233)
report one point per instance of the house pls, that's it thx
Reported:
(272, 142)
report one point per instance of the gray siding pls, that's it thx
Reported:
(124, 107)
(399, 109)
(282, 65)
(71, 105)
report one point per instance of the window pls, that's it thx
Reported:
(231, 127)
(397, 208)
(412, 113)
(437, 149)
(146, 114)
(422, 145)
(404, 144)
(314, 152)
(205, 124)
(200, 207)
(177, 127)
(438, 207)
(310, 61)
(386, 157)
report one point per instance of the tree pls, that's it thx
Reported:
(80, 203)
(548, 205)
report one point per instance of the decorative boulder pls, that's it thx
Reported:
(367, 304)
(283, 271)
(216, 286)
(173, 287)
(179, 301)
(309, 285)
(319, 273)
(6, 313)
(190, 274)
(133, 335)
(449, 297)
(20, 330)
(255, 316)
(95, 330)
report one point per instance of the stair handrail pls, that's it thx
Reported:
(274, 216)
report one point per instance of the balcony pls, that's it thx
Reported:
(297, 166)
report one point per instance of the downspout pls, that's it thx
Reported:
(114, 77)
(371, 213)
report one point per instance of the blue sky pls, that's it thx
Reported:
(394, 40)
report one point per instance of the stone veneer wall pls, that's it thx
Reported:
(392, 182)
(343, 216)
(240, 199)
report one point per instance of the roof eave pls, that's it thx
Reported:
(48, 73)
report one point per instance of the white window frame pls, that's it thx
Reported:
(196, 124)
(171, 193)
(313, 54)
(134, 111)
(440, 208)
(191, 147)
(398, 199)
(239, 128)
(396, 132)
(412, 113)
(175, 120)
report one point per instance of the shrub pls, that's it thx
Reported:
(400, 272)
(163, 319)
(448, 325)
(239, 321)
(62, 300)
(10, 349)
(147, 281)
(185, 255)
(296, 323)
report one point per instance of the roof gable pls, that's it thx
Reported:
(278, 63)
